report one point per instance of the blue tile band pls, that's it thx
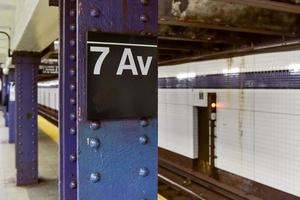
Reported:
(281, 79)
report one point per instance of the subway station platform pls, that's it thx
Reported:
(47, 189)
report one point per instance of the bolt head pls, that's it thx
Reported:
(72, 27)
(144, 18)
(145, 2)
(95, 177)
(72, 57)
(94, 143)
(72, 13)
(144, 122)
(73, 184)
(72, 131)
(72, 101)
(72, 72)
(143, 139)
(72, 158)
(94, 125)
(72, 42)
(144, 172)
(95, 13)
(72, 116)
(72, 87)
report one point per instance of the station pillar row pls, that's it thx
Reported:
(26, 67)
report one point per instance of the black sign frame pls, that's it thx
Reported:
(113, 91)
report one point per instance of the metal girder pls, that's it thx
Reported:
(26, 67)
(5, 97)
(4, 91)
(67, 105)
(267, 4)
(12, 107)
(273, 47)
(121, 168)
(172, 21)
(196, 40)
(226, 16)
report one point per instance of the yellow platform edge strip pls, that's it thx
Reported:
(52, 131)
(48, 128)
(161, 197)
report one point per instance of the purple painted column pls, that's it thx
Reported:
(4, 91)
(12, 107)
(1, 90)
(67, 122)
(26, 64)
(117, 158)
(5, 97)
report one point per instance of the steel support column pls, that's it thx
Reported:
(5, 97)
(12, 107)
(67, 85)
(117, 159)
(4, 92)
(26, 64)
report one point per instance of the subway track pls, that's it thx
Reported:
(50, 114)
(174, 186)
(195, 187)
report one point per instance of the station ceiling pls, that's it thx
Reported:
(7, 21)
(192, 30)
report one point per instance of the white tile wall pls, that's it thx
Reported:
(176, 129)
(234, 143)
(49, 97)
(258, 131)
(277, 151)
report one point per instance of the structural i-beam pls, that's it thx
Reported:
(67, 105)
(117, 155)
(12, 107)
(26, 64)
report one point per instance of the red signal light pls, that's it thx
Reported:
(213, 105)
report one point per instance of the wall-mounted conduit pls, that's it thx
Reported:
(9, 42)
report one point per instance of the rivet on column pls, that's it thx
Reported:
(144, 172)
(95, 177)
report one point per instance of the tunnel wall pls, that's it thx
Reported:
(258, 114)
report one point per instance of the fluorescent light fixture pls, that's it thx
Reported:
(294, 67)
(231, 71)
(186, 75)
(48, 83)
(5, 70)
(56, 45)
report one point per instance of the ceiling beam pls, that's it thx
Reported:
(197, 40)
(172, 21)
(268, 4)
(267, 48)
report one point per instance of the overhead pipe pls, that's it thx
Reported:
(9, 42)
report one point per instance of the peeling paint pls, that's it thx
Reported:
(214, 12)
(241, 114)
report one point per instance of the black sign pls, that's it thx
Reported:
(121, 76)
(48, 69)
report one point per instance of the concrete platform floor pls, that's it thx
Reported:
(47, 189)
